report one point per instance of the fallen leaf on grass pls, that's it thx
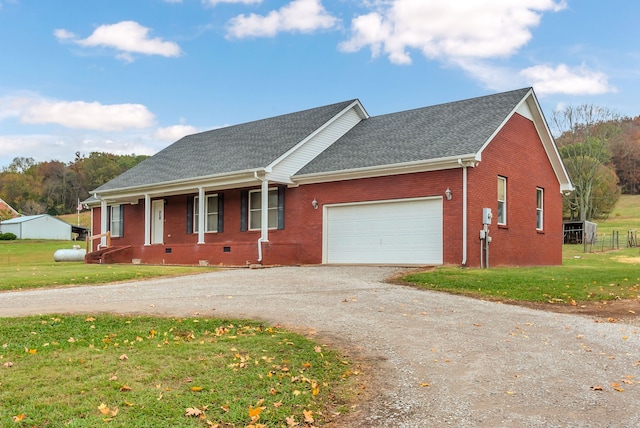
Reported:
(308, 416)
(196, 388)
(193, 412)
(254, 413)
(8, 364)
(123, 357)
(291, 422)
(105, 410)
(125, 388)
(19, 418)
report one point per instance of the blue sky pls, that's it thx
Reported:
(134, 76)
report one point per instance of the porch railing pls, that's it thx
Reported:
(90, 240)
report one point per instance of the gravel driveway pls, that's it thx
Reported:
(437, 359)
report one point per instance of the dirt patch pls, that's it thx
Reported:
(632, 260)
(624, 310)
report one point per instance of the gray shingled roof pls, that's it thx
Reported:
(441, 131)
(452, 129)
(242, 147)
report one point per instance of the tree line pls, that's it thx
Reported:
(54, 187)
(601, 152)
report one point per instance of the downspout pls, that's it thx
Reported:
(464, 212)
(264, 212)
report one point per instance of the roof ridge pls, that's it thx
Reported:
(464, 100)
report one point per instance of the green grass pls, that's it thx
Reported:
(79, 371)
(625, 216)
(582, 277)
(85, 218)
(29, 264)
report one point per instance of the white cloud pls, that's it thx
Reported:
(76, 114)
(303, 16)
(216, 2)
(445, 30)
(565, 80)
(83, 115)
(493, 77)
(62, 147)
(545, 79)
(175, 132)
(128, 37)
(62, 34)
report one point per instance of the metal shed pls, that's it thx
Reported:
(42, 226)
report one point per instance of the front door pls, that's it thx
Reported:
(157, 221)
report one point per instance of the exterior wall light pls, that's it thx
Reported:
(447, 193)
(314, 204)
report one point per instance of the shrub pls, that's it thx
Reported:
(8, 236)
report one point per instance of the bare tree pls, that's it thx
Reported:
(583, 134)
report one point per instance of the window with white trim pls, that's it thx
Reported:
(502, 200)
(255, 209)
(116, 220)
(210, 213)
(539, 208)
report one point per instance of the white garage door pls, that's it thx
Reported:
(406, 231)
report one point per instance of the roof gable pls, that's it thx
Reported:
(6, 207)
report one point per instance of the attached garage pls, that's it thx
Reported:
(404, 231)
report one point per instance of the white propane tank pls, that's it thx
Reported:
(76, 254)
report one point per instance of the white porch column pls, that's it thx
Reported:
(264, 211)
(103, 222)
(201, 205)
(147, 219)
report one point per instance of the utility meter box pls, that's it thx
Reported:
(486, 216)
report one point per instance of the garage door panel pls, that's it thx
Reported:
(402, 232)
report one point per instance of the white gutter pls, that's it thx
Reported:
(464, 212)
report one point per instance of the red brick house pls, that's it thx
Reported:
(334, 185)
(7, 211)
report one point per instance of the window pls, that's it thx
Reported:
(539, 209)
(210, 214)
(255, 209)
(116, 220)
(502, 200)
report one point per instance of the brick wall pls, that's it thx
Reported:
(517, 154)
